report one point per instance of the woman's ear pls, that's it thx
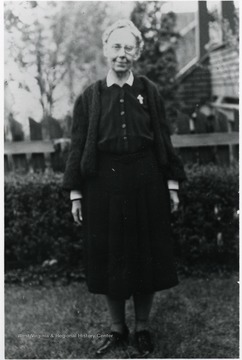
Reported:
(137, 55)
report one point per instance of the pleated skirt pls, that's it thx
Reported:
(126, 225)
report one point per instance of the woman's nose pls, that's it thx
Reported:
(121, 51)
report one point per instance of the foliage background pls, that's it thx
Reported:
(53, 50)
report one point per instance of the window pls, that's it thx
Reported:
(187, 50)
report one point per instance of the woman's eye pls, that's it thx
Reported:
(129, 48)
(116, 47)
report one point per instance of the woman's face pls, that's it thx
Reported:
(121, 50)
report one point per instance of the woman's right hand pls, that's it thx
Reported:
(77, 211)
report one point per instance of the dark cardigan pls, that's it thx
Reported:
(82, 162)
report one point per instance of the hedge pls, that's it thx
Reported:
(38, 223)
(40, 233)
(206, 226)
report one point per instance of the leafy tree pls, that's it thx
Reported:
(158, 60)
(55, 46)
(35, 47)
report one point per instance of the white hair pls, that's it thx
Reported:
(124, 24)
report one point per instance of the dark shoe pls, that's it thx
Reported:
(143, 342)
(115, 340)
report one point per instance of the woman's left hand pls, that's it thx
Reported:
(174, 200)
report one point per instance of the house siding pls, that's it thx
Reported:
(195, 88)
(224, 66)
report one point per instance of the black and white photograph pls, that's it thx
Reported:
(121, 179)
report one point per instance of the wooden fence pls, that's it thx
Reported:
(24, 156)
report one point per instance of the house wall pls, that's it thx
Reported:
(195, 88)
(224, 65)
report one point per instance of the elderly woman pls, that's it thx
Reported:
(122, 172)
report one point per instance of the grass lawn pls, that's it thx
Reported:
(197, 319)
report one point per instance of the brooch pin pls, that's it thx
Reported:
(140, 98)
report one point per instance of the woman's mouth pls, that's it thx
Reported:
(120, 63)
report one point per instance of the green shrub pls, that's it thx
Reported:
(39, 228)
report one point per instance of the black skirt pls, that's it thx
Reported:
(126, 223)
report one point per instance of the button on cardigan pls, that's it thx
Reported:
(82, 161)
